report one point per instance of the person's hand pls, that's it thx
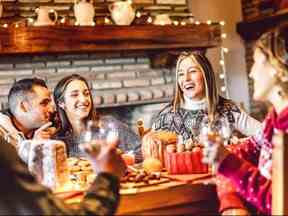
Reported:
(152, 146)
(214, 150)
(236, 211)
(107, 159)
(45, 131)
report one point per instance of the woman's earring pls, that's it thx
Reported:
(61, 105)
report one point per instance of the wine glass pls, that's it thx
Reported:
(97, 135)
(219, 128)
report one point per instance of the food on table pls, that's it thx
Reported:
(141, 178)
(154, 143)
(187, 160)
(82, 175)
(79, 170)
(151, 165)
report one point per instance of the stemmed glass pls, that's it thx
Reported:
(97, 135)
(218, 128)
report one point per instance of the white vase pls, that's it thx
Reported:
(122, 12)
(84, 12)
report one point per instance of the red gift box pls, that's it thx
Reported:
(188, 162)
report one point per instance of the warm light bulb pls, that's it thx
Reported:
(62, 20)
(223, 88)
(197, 22)
(106, 20)
(222, 23)
(209, 22)
(16, 25)
(138, 14)
(149, 20)
(175, 22)
(222, 62)
(183, 23)
(30, 20)
(226, 50)
(5, 25)
(224, 35)
(221, 76)
(93, 24)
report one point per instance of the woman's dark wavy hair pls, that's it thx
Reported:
(211, 91)
(58, 95)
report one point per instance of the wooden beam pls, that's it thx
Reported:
(55, 39)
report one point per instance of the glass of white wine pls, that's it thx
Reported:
(97, 136)
(218, 129)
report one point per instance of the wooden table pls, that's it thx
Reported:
(193, 194)
(174, 197)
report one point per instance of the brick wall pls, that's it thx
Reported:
(116, 80)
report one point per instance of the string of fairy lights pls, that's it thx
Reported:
(223, 50)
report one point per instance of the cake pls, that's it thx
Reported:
(47, 160)
(155, 142)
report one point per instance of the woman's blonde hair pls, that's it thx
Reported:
(273, 45)
(211, 91)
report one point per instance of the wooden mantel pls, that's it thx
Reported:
(63, 39)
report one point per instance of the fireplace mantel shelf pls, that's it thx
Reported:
(70, 39)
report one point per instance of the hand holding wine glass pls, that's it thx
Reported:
(100, 147)
(214, 137)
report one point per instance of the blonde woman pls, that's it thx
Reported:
(197, 101)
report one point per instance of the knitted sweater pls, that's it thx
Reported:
(187, 120)
(249, 166)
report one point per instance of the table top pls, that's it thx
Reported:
(187, 189)
(179, 190)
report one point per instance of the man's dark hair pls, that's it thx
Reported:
(21, 89)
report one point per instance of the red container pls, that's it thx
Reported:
(189, 162)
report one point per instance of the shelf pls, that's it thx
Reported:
(63, 39)
(252, 30)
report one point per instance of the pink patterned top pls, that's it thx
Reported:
(249, 165)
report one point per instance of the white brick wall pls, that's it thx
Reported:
(116, 81)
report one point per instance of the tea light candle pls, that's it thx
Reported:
(129, 158)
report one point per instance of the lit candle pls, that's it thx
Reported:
(129, 158)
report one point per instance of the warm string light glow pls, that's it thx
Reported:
(223, 73)
(138, 14)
